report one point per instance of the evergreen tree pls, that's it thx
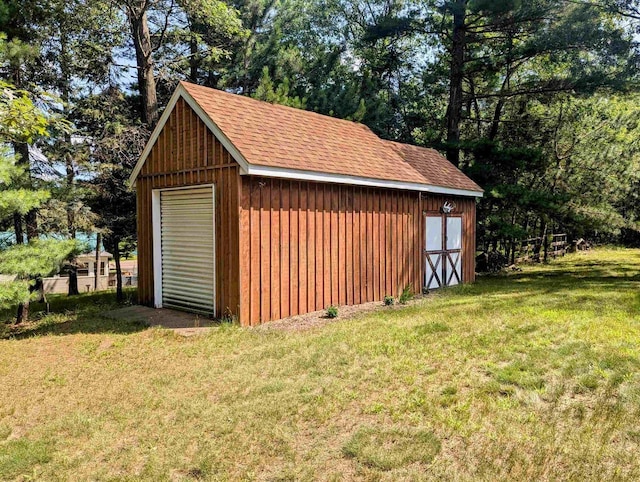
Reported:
(116, 140)
(22, 121)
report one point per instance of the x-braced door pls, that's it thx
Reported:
(443, 250)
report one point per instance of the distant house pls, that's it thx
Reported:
(264, 211)
(86, 275)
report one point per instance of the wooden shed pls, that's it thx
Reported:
(262, 211)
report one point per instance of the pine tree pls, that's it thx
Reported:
(22, 121)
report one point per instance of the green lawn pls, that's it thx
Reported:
(532, 375)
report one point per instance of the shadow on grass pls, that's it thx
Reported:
(563, 285)
(76, 314)
(77, 324)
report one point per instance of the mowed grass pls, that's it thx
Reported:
(534, 375)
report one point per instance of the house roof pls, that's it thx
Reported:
(92, 254)
(279, 141)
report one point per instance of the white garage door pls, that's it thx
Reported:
(187, 249)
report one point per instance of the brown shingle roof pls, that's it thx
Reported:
(434, 167)
(277, 136)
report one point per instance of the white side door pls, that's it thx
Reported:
(443, 251)
(453, 258)
(433, 252)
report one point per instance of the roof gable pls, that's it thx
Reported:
(273, 135)
(279, 141)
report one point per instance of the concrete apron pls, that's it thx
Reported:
(183, 323)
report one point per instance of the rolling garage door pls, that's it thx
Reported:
(188, 254)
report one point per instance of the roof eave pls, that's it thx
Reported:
(305, 175)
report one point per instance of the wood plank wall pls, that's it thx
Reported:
(305, 246)
(187, 154)
(290, 247)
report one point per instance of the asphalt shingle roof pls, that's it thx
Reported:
(284, 137)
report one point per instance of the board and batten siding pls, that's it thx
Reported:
(285, 247)
(305, 246)
(187, 154)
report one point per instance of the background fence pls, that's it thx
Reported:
(540, 248)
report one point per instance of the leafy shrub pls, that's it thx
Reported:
(228, 316)
(407, 295)
(388, 300)
(332, 312)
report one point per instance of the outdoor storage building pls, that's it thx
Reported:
(263, 211)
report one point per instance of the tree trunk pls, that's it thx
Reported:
(73, 280)
(38, 286)
(31, 221)
(73, 272)
(116, 257)
(17, 228)
(23, 312)
(22, 150)
(456, 71)
(68, 160)
(495, 123)
(146, 80)
(545, 242)
(193, 60)
(96, 265)
(497, 113)
(70, 181)
(513, 241)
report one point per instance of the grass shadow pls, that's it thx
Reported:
(564, 284)
(83, 313)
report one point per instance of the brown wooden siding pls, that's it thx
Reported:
(186, 154)
(290, 247)
(306, 246)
